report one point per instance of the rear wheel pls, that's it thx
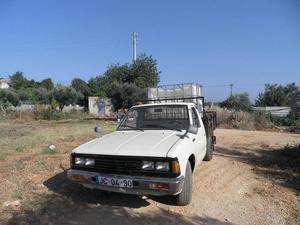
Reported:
(185, 197)
(209, 150)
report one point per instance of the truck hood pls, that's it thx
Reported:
(150, 143)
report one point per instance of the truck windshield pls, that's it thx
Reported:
(168, 117)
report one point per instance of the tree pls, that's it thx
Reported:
(293, 94)
(47, 83)
(18, 81)
(81, 87)
(7, 98)
(144, 72)
(273, 95)
(65, 96)
(24, 95)
(99, 86)
(238, 102)
(41, 96)
(119, 73)
(126, 95)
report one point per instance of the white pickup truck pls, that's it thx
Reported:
(154, 151)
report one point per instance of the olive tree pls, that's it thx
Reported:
(238, 102)
(126, 95)
(65, 96)
(8, 98)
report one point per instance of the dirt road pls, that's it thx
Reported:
(245, 183)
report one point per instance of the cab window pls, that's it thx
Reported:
(195, 118)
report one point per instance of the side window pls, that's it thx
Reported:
(131, 119)
(195, 118)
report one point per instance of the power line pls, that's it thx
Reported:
(239, 90)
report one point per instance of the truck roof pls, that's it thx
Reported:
(189, 104)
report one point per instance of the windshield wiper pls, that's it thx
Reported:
(135, 128)
(161, 126)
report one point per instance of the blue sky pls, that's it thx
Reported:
(213, 42)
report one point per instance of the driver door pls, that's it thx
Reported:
(200, 138)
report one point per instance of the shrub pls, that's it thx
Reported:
(242, 120)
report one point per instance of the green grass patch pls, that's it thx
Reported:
(20, 149)
(48, 151)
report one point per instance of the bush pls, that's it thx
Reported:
(8, 98)
(262, 121)
(42, 112)
(282, 121)
(237, 102)
(242, 120)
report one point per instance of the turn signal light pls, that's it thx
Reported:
(175, 167)
(160, 186)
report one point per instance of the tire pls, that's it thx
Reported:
(185, 197)
(209, 150)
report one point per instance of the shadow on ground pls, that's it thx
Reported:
(70, 203)
(280, 165)
(105, 215)
(59, 184)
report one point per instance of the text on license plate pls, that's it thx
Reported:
(108, 181)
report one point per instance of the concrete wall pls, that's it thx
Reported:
(274, 110)
(27, 107)
(101, 107)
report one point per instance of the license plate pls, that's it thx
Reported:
(108, 181)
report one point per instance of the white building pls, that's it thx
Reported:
(4, 83)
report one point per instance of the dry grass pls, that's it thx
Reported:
(38, 180)
(242, 120)
(26, 160)
(16, 137)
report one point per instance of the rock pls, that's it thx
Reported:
(13, 204)
(52, 147)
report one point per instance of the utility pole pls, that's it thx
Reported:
(134, 41)
(231, 86)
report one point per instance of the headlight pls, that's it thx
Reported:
(84, 161)
(148, 165)
(79, 161)
(162, 166)
(90, 162)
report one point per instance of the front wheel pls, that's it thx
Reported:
(209, 149)
(185, 197)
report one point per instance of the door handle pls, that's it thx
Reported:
(194, 139)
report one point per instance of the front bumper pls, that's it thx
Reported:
(141, 185)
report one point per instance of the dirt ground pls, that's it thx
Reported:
(247, 182)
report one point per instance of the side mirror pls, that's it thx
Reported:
(98, 130)
(193, 129)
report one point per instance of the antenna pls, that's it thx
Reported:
(134, 42)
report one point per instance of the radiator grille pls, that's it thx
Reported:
(120, 165)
